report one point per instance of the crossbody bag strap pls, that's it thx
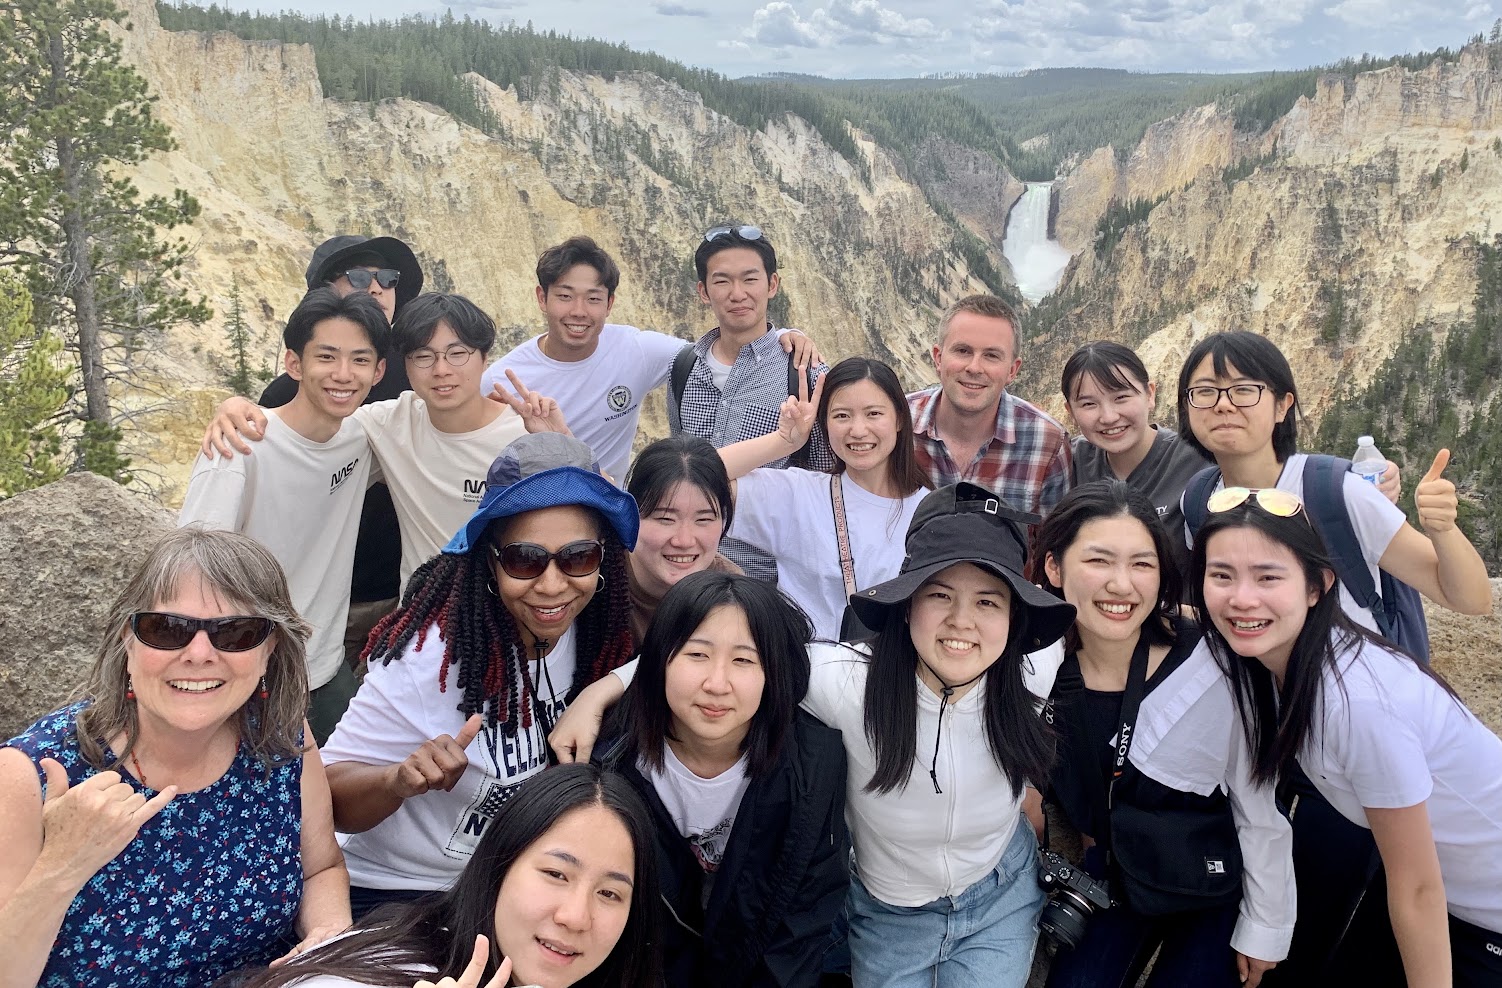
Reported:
(1131, 701)
(842, 533)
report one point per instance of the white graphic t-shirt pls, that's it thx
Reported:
(703, 809)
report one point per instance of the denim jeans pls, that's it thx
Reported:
(982, 938)
(1195, 949)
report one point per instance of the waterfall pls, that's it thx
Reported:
(1037, 260)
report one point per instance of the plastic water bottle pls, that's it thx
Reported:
(1369, 464)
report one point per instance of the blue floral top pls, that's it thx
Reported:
(211, 884)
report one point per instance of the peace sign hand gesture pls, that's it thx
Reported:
(538, 412)
(470, 977)
(796, 417)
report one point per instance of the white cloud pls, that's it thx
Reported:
(1376, 14)
(841, 22)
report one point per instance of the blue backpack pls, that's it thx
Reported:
(1397, 607)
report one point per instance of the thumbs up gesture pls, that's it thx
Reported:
(437, 764)
(85, 826)
(1435, 497)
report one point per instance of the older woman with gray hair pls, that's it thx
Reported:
(172, 824)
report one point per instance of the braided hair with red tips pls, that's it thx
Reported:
(481, 640)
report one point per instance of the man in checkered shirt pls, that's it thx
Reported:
(740, 375)
(969, 427)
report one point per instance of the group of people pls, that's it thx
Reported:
(811, 667)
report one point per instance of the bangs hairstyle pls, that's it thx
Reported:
(1251, 356)
(730, 241)
(322, 304)
(440, 929)
(247, 579)
(1104, 499)
(683, 459)
(781, 633)
(1104, 361)
(419, 319)
(902, 464)
(556, 261)
(1277, 724)
(1020, 742)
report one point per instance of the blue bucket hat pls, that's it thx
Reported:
(547, 470)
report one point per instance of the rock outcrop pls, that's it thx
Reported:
(638, 163)
(66, 551)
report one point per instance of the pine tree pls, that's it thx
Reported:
(73, 118)
(33, 390)
(241, 379)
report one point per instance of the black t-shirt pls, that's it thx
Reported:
(1087, 721)
(378, 547)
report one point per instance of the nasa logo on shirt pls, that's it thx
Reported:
(618, 398)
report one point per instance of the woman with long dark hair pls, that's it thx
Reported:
(684, 497)
(561, 890)
(747, 792)
(831, 534)
(1130, 671)
(1383, 738)
(938, 713)
(526, 605)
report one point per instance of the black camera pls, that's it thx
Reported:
(1073, 897)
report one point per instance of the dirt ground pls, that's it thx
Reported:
(1468, 652)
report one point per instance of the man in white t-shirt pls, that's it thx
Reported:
(434, 444)
(598, 372)
(301, 497)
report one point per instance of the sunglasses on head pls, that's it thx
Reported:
(746, 232)
(160, 629)
(1270, 499)
(360, 278)
(528, 560)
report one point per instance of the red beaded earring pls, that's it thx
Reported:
(264, 694)
(130, 688)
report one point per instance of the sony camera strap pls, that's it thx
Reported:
(1131, 700)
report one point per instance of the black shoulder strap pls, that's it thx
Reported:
(1325, 500)
(683, 365)
(1197, 496)
(1131, 701)
(793, 377)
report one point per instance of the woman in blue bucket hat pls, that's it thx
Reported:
(526, 605)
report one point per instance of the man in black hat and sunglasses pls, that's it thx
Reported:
(739, 375)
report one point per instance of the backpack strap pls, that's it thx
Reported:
(683, 365)
(1197, 495)
(1325, 500)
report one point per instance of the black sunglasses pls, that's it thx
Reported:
(360, 278)
(746, 232)
(160, 629)
(528, 560)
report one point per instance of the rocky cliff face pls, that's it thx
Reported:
(1351, 230)
(637, 163)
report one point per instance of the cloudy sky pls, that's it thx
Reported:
(853, 38)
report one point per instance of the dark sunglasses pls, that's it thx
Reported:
(528, 560)
(171, 631)
(732, 232)
(360, 278)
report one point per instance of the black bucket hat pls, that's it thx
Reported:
(333, 255)
(968, 524)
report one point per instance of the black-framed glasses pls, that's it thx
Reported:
(455, 356)
(1241, 395)
(528, 560)
(360, 278)
(744, 232)
(167, 631)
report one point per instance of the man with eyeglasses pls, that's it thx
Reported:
(740, 375)
(435, 443)
(301, 495)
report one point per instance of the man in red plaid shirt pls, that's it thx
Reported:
(968, 427)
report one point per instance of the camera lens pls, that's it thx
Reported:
(1063, 919)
